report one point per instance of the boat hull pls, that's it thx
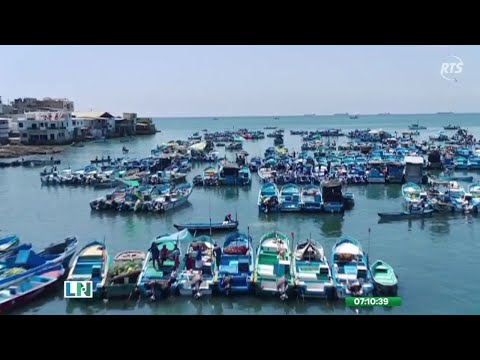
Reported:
(207, 227)
(405, 215)
(333, 207)
(385, 289)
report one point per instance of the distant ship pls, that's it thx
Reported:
(215, 118)
(353, 116)
(445, 113)
(309, 115)
(276, 118)
(340, 114)
(383, 114)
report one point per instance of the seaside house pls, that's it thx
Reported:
(145, 126)
(4, 130)
(96, 124)
(42, 128)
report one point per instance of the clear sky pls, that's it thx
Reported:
(244, 80)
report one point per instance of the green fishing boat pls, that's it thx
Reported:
(273, 274)
(123, 275)
(384, 278)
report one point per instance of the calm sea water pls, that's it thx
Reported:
(436, 259)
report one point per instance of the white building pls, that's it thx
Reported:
(48, 128)
(4, 130)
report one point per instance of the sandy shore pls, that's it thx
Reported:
(14, 151)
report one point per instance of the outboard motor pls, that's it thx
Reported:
(227, 283)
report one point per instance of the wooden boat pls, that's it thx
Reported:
(311, 199)
(405, 215)
(350, 273)
(91, 264)
(384, 278)
(123, 276)
(62, 252)
(451, 127)
(156, 282)
(312, 276)
(21, 264)
(273, 274)
(203, 227)
(290, 198)
(268, 198)
(7, 243)
(186, 284)
(30, 288)
(236, 266)
(411, 193)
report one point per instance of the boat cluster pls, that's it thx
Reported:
(184, 264)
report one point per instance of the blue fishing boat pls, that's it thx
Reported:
(458, 199)
(350, 272)
(255, 164)
(474, 163)
(236, 265)
(91, 264)
(332, 195)
(348, 161)
(465, 152)
(375, 176)
(23, 263)
(312, 275)
(28, 289)
(268, 198)
(156, 281)
(197, 277)
(311, 199)
(290, 198)
(361, 160)
(395, 171)
(460, 163)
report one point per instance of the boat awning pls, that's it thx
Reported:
(183, 235)
(132, 183)
(348, 248)
(199, 146)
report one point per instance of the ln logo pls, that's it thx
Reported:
(77, 290)
(449, 69)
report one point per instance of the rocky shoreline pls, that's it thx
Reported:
(15, 151)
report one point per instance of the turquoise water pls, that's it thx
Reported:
(436, 259)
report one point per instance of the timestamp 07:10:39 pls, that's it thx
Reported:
(373, 301)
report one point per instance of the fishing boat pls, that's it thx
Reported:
(290, 198)
(208, 226)
(311, 199)
(7, 243)
(173, 199)
(417, 126)
(273, 274)
(350, 272)
(62, 251)
(451, 127)
(268, 198)
(375, 176)
(311, 272)
(198, 279)
(448, 178)
(123, 275)
(333, 199)
(91, 264)
(460, 163)
(236, 266)
(30, 288)
(474, 190)
(405, 215)
(266, 174)
(159, 281)
(384, 278)
(411, 194)
(474, 163)
(458, 198)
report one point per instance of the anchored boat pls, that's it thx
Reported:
(350, 272)
(312, 276)
(273, 274)
(384, 278)
(236, 265)
(268, 198)
(123, 276)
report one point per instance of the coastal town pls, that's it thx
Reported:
(31, 126)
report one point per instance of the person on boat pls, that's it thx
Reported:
(189, 262)
(228, 218)
(198, 259)
(163, 254)
(217, 250)
(410, 208)
(176, 256)
(155, 255)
